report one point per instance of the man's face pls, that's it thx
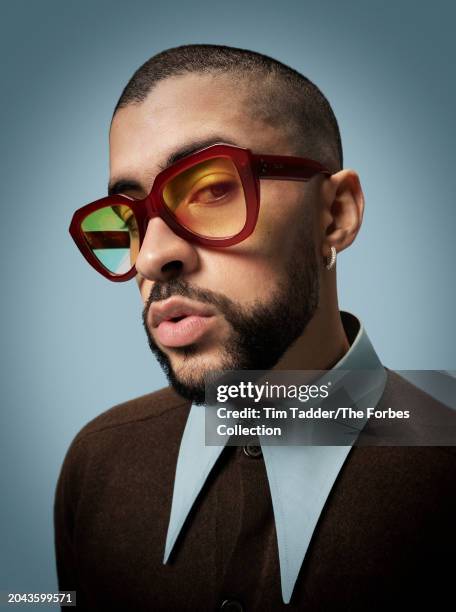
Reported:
(252, 300)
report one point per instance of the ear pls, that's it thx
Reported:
(343, 213)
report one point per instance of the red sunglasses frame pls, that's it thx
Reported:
(251, 168)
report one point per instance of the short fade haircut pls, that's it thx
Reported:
(280, 95)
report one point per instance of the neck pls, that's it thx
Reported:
(322, 344)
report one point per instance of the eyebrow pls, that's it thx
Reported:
(126, 184)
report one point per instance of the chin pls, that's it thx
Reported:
(189, 368)
(194, 362)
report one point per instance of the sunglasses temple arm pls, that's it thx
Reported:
(286, 167)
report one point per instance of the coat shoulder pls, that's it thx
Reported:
(144, 408)
(426, 413)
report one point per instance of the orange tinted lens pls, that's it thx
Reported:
(112, 235)
(208, 199)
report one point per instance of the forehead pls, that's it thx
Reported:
(182, 110)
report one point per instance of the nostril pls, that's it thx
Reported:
(172, 269)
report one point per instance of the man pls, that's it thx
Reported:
(228, 204)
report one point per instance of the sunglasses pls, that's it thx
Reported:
(210, 198)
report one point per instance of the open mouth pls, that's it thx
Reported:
(179, 321)
(176, 319)
(183, 330)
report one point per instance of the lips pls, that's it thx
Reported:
(179, 322)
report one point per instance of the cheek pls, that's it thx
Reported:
(281, 220)
(251, 270)
(145, 287)
(243, 277)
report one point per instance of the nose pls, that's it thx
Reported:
(164, 255)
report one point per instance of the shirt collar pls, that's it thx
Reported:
(300, 477)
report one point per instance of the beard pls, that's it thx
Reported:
(260, 333)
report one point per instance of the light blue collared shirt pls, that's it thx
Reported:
(300, 477)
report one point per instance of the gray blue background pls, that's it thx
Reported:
(72, 342)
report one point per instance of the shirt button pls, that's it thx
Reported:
(253, 450)
(231, 605)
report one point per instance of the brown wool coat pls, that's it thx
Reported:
(386, 537)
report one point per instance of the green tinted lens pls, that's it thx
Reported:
(208, 199)
(112, 235)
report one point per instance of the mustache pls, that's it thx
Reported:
(164, 290)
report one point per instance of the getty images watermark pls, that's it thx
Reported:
(318, 407)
